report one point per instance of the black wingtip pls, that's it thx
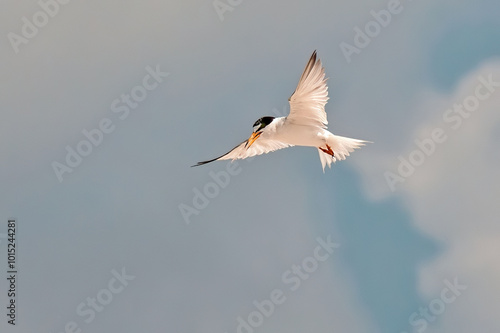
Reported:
(218, 158)
(204, 162)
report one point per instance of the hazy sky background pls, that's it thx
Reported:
(119, 209)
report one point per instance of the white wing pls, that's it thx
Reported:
(307, 103)
(241, 151)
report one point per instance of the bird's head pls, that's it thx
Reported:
(258, 128)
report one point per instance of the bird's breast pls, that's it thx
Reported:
(300, 135)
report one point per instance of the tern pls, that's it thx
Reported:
(306, 125)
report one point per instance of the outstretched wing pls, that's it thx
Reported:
(307, 103)
(241, 151)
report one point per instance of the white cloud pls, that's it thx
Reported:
(453, 197)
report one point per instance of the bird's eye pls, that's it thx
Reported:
(261, 123)
(257, 125)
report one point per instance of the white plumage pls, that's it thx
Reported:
(306, 125)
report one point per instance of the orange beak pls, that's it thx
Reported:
(253, 137)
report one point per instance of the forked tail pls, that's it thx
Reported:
(341, 147)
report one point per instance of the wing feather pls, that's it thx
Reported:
(307, 103)
(241, 151)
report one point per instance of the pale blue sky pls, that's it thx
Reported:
(119, 208)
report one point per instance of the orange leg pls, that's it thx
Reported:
(328, 150)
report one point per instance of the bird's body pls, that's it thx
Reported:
(293, 134)
(304, 126)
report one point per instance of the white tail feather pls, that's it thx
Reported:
(341, 147)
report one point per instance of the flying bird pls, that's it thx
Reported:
(306, 125)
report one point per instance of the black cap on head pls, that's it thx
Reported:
(263, 122)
